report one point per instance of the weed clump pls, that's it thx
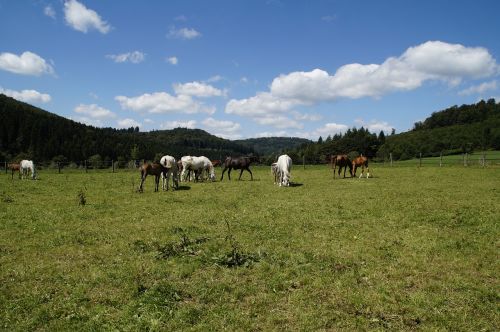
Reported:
(81, 197)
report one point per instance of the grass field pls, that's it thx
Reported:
(407, 249)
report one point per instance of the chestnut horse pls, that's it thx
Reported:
(242, 163)
(14, 168)
(342, 161)
(151, 169)
(363, 162)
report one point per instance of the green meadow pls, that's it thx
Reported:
(410, 248)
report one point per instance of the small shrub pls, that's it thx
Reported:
(82, 199)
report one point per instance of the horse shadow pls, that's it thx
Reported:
(293, 184)
(183, 188)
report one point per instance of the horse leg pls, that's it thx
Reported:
(222, 176)
(367, 172)
(251, 175)
(229, 173)
(157, 182)
(334, 169)
(143, 178)
(362, 171)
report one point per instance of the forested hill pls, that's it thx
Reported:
(453, 130)
(33, 133)
(273, 145)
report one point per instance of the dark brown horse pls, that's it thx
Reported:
(151, 169)
(14, 168)
(242, 163)
(342, 161)
(363, 162)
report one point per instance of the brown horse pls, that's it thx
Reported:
(151, 169)
(216, 163)
(242, 163)
(363, 162)
(342, 161)
(14, 168)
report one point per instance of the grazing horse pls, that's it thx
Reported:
(14, 168)
(27, 166)
(237, 163)
(284, 165)
(169, 163)
(151, 169)
(363, 162)
(216, 163)
(198, 165)
(342, 161)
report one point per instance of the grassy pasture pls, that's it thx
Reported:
(408, 249)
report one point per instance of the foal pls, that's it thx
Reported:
(14, 168)
(151, 169)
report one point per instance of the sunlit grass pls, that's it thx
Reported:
(409, 248)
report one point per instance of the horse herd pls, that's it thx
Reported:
(25, 168)
(191, 168)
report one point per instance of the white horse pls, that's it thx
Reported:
(171, 165)
(284, 166)
(199, 165)
(27, 166)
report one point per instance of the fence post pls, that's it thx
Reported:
(420, 160)
(59, 167)
(85, 165)
(304, 162)
(5, 163)
(484, 159)
(390, 156)
(464, 157)
(441, 159)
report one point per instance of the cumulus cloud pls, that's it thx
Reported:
(162, 102)
(430, 61)
(127, 123)
(89, 121)
(479, 89)
(133, 57)
(224, 126)
(28, 96)
(190, 124)
(183, 33)
(331, 129)
(198, 89)
(375, 126)
(49, 11)
(83, 19)
(27, 63)
(94, 111)
(173, 60)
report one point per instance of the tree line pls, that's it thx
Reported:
(451, 131)
(28, 132)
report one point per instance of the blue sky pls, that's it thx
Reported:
(240, 69)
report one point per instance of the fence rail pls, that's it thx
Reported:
(464, 160)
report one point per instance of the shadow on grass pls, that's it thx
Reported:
(293, 184)
(183, 188)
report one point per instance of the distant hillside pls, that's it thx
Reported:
(453, 130)
(272, 145)
(40, 135)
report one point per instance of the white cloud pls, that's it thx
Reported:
(28, 96)
(83, 19)
(479, 89)
(183, 33)
(162, 102)
(281, 133)
(375, 126)
(191, 124)
(127, 123)
(173, 60)
(27, 63)
(49, 11)
(134, 57)
(430, 61)
(331, 129)
(88, 121)
(222, 125)
(198, 89)
(215, 78)
(94, 111)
